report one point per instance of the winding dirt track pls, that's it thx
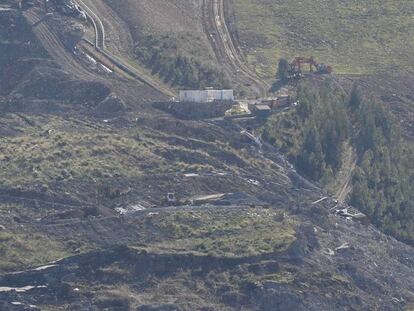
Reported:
(345, 175)
(215, 26)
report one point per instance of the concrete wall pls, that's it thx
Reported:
(206, 96)
(227, 95)
(193, 96)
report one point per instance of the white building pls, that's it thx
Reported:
(206, 96)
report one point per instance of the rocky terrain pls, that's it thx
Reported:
(88, 158)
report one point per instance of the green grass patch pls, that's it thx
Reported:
(232, 233)
(19, 250)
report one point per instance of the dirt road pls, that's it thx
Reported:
(215, 25)
(97, 25)
(344, 176)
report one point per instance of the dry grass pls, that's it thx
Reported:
(354, 36)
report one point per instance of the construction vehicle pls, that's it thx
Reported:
(295, 70)
(69, 7)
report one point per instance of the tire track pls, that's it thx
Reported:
(221, 40)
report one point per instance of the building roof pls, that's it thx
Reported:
(262, 107)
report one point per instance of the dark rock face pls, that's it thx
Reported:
(195, 111)
(113, 304)
(277, 298)
(166, 307)
(45, 82)
(110, 104)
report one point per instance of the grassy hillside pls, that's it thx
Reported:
(354, 36)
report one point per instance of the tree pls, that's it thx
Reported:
(314, 133)
(355, 99)
(311, 159)
(283, 70)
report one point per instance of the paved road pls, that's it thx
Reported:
(97, 24)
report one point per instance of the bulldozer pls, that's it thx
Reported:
(295, 70)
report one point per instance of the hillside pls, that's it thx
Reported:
(356, 37)
(115, 197)
(165, 31)
(185, 45)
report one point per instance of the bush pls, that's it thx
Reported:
(162, 56)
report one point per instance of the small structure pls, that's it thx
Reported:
(261, 110)
(282, 101)
(263, 107)
(206, 96)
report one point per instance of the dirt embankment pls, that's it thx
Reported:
(195, 111)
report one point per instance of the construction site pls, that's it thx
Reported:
(124, 190)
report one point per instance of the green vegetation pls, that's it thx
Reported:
(283, 70)
(314, 135)
(382, 182)
(236, 233)
(69, 149)
(353, 36)
(164, 58)
(20, 248)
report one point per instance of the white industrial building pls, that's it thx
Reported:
(206, 96)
